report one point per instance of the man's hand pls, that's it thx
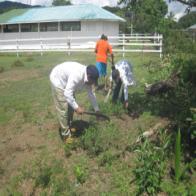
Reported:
(79, 110)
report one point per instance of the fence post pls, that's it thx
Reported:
(69, 46)
(161, 43)
(123, 45)
(41, 46)
(17, 48)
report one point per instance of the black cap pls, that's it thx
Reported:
(93, 73)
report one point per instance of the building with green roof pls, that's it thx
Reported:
(60, 21)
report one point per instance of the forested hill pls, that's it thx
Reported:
(9, 5)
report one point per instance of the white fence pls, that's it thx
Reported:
(121, 44)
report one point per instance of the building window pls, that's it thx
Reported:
(49, 26)
(11, 28)
(70, 26)
(29, 27)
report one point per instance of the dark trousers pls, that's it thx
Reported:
(116, 92)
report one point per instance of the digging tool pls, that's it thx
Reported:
(107, 96)
(99, 115)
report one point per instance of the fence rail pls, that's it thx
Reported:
(121, 44)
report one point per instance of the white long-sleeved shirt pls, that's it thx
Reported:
(126, 75)
(71, 77)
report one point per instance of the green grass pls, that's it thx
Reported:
(97, 163)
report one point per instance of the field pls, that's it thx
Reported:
(101, 161)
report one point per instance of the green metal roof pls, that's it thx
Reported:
(59, 13)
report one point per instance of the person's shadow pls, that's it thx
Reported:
(78, 127)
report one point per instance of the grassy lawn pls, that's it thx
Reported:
(34, 161)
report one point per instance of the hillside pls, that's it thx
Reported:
(9, 5)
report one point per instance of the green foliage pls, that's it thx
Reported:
(174, 189)
(159, 71)
(145, 15)
(176, 41)
(68, 148)
(44, 176)
(165, 25)
(61, 2)
(17, 63)
(106, 158)
(150, 166)
(99, 139)
(187, 67)
(80, 174)
(27, 102)
(112, 109)
(50, 176)
(187, 20)
(178, 156)
(29, 59)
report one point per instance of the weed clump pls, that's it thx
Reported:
(80, 174)
(29, 59)
(99, 139)
(17, 63)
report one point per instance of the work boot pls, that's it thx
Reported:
(66, 135)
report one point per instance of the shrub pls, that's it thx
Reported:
(150, 166)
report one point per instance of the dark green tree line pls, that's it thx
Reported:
(61, 2)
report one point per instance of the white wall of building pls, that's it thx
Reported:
(88, 28)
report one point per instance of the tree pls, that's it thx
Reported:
(145, 16)
(61, 2)
(187, 20)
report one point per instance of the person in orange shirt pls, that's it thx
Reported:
(102, 49)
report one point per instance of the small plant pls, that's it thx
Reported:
(99, 139)
(180, 169)
(178, 156)
(112, 109)
(80, 174)
(150, 166)
(43, 178)
(69, 147)
(106, 158)
(17, 63)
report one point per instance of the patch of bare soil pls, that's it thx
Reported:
(16, 75)
(21, 145)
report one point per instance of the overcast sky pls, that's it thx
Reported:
(175, 7)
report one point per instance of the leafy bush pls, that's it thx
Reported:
(178, 41)
(150, 166)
